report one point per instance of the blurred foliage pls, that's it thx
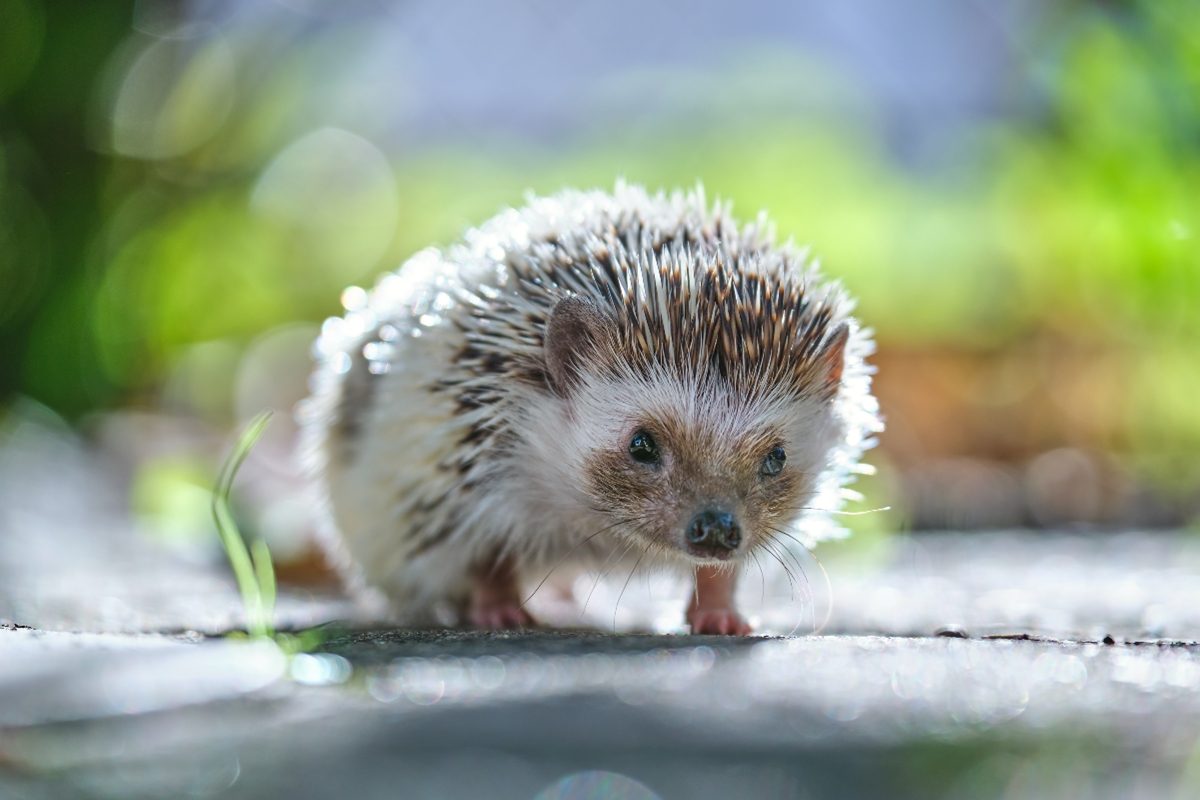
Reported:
(163, 193)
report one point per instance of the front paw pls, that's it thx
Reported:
(717, 622)
(500, 617)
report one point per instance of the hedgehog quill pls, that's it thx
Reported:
(595, 376)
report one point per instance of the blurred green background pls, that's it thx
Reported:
(1009, 189)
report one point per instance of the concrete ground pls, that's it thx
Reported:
(998, 665)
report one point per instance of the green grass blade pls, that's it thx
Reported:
(247, 576)
(264, 571)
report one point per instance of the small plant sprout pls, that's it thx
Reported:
(252, 567)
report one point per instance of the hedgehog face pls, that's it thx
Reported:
(684, 462)
(698, 473)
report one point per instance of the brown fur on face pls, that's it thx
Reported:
(699, 470)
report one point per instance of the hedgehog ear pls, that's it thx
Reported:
(573, 332)
(831, 360)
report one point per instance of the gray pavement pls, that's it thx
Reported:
(1014, 665)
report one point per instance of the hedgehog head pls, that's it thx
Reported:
(698, 427)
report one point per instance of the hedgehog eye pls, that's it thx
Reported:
(643, 448)
(773, 463)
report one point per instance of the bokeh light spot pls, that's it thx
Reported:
(334, 189)
(597, 785)
(175, 96)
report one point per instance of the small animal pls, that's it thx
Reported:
(594, 378)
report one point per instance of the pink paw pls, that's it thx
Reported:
(502, 617)
(718, 621)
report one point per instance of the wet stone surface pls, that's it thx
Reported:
(1064, 666)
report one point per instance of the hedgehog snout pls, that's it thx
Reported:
(713, 534)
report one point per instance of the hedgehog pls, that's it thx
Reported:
(595, 376)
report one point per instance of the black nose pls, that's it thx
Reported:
(714, 534)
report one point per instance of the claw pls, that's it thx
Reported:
(501, 617)
(719, 622)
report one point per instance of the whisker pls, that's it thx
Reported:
(808, 596)
(604, 571)
(646, 583)
(828, 583)
(658, 548)
(812, 599)
(828, 594)
(617, 607)
(762, 581)
(788, 551)
(783, 550)
(567, 555)
(791, 578)
(838, 512)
